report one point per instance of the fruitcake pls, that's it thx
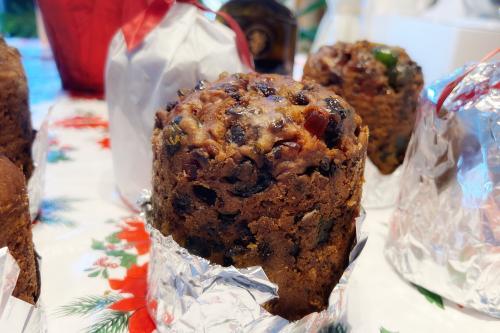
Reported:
(259, 169)
(15, 231)
(382, 83)
(16, 133)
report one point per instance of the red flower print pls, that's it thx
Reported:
(79, 122)
(135, 283)
(104, 143)
(135, 233)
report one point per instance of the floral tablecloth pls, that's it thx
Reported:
(95, 251)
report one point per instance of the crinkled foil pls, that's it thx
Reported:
(187, 293)
(39, 152)
(379, 190)
(15, 314)
(445, 232)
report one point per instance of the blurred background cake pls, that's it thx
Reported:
(382, 83)
(15, 229)
(263, 170)
(16, 133)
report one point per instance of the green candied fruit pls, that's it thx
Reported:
(386, 56)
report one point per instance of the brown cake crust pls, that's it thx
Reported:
(263, 170)
(385, 94)
(15, 232)
(16, 133)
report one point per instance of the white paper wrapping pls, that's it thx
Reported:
(16, 316)
(36, 183)
(445, 232)
(186, 47)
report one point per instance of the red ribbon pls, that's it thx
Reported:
(137, 29)
(450, 86)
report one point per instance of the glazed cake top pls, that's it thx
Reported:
(374, 68)
(254, 115)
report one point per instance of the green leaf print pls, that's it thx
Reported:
(94, 274)
(98, 245)
(431, 297)
(86, 305)
(113, 238)
(105, 273)
(110, 322)
(385, 330)
(126, 259)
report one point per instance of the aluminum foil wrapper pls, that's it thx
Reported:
(187, 293)
(445, 231)
(15, 314)
(379, 190)
(36, 183)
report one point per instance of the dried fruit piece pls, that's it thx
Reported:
(333, 133)
(184, 92)
(264, 249)
(173, 135)
(335, 107)
(205, 194)
(201, 85)
(182, 204)
(265, 89)
(237, 134)
(324, 229)
(316, 122)
(386, 56)
(198, 246)
(171, 105)
(227, 218)
(300, 98)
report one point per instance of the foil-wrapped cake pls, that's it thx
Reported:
(445, 232)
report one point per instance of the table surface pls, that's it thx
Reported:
(95, 251)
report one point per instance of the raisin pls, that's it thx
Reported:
(182, 204)
(201, 85)
(277, 125)
(276, 98)
(228, 218)
(184, 92)
(171, 105)
(264, 250)
(300, 99)
(232, 252)
(173, 135)
(232, 91)
(160, 119)
(324, 167)
(324, 229)
(237, 134)
(264, 179)
(236, 110)
(294, 250)
(200, 156)
(297, 218)
(335, 107)
(333, 133)
(205, 194)
(334, 79)
(310, 170)
(265, 89)
(191, 169)
(198, 246)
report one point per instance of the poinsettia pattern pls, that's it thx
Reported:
(124, 307)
